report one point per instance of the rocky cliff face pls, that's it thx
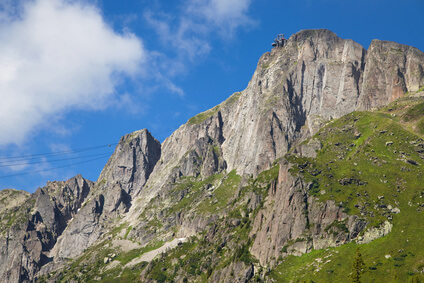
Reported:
(132, 162)
(292, 222)
(123, 176)
(295, 90)
(62, 219)
(392, 69)
(210, 169)
(32, 225)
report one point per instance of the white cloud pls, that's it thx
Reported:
(129, 104)
(191, 31)
(57, 56)
(16, 166)
(183, 35)
(226, 15)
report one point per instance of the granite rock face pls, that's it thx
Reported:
(295, 89)
(283, 226)
(40, 220)
(392, 69)
(123, 177)
(132, 162)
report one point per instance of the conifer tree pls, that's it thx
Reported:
(358, 267)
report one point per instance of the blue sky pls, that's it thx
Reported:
(77, 75)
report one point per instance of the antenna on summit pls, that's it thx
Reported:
(279, 41)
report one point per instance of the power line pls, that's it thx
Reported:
(58, 153)
(55, 160)
(22, 158)
(38, 159)
(51, 169)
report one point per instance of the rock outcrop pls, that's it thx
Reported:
(292, 222)
(62, 219)
(10, 199)
(132, 162)
(392, 69)
(123, 176)
(35, 226)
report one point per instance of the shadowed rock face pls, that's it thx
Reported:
(123, 176)
(25, 246)
(132, 162)
(392, 69)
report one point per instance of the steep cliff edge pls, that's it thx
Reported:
(132, 162)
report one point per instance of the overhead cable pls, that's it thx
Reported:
(54, 160)
(58, 153)
(50, 169)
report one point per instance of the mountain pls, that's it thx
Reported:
(320, 154)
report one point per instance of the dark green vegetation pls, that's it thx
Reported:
(358, 267)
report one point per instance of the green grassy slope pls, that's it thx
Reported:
(370, 163)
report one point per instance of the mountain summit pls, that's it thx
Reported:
(238, 188)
